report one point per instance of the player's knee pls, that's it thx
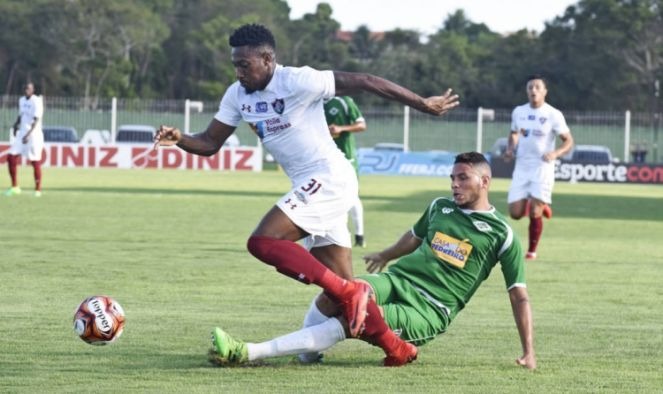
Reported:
(260, 246)
(327, 306)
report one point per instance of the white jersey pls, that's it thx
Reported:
(538, 128)
(28, 110)
(288, 117)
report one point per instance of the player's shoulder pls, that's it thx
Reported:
(520, 109)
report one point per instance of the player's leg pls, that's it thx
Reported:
(518, 196)
(541, 197)
(12, 164)
(273, 243)
(357, 218)
(314, 339)
(36, 165)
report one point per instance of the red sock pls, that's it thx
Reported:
(535, 230)
(376, 330)
(11, 164)
(296, 262)
(37, 167)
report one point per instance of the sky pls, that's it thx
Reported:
(427, 16)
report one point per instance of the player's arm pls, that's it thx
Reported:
(356, 127)
(17, 124)
(567, 144)
(206, 143)
(407, 244)
(522, 313)
(512, 141)
(347, 83)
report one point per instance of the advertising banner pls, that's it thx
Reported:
(389, 162)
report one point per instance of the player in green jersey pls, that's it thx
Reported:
(441, 262)
(344, 119)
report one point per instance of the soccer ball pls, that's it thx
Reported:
(99, 320)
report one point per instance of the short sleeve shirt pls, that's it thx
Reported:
(288, 118)
(538, 128)
(29, 109)
(458, 251)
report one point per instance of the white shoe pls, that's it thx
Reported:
(37, 193)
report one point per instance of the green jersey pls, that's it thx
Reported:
(459, 249)
(343, 111)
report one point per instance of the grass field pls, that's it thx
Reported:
(170, 247)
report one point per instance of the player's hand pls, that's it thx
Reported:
(25, 139)
(375, 262)
(439, 105)
(334, 130)
(527, 361)
(167, 136)
(507, 155)
(15, 130)
(550, 156)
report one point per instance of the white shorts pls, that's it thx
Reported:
(534, 182)
(33, 149)
(319, 204)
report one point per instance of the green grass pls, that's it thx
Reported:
(170, 247)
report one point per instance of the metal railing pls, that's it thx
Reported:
(463, 129)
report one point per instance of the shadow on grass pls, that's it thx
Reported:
(564, 205)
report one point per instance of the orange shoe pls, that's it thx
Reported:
(547, 211)
(406, 353)
(354, 305)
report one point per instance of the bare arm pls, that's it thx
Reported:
(206, 143)
(512, 141)
(347, 83)
(567, 144)
(405, 245)
(356, 127)
(522, 313)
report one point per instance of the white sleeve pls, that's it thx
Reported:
(559, 123)
(312, 85)
(514, 117)
(39, 107)
(228, 108)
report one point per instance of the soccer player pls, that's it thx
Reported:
(534, 128)
(441, 263)
(344, 119)
(28, 139)
(284, 105)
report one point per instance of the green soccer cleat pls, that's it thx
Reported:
(226, 350)
(13, 191)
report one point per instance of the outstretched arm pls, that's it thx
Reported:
(347, 83)
(206, 143)
(522, 313)
(405, 245)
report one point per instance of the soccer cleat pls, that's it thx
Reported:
(310, 358)
(547, 211)
(13, 191)
(37, 193)
(360, 241)
(406, 353)
(227, 350)
(354, 305)
(530, 256)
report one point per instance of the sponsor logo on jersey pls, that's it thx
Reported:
(450, 249)
(333, 111)
(482, 226)
(246, 108)
(261, 106)
(542, 120)
(278, 105)
(447, 211)
(531, 117)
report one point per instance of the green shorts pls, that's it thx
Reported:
(406, 311)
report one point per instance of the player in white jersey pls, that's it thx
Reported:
(284, 105)
(28, 139)
(535, 127)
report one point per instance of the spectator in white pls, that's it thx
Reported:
(28, 139)
(534, 126)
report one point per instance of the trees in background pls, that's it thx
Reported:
(600, 54)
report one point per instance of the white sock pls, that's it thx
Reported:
(313, 316)
(307, 340)
(357, 216)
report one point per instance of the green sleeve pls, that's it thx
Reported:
(353, 111)
(513, 265)
(420, 228)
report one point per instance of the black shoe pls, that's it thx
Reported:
(359, 241)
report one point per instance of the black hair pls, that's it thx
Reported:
(537, 76)
(252, 35)
(471, 158)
